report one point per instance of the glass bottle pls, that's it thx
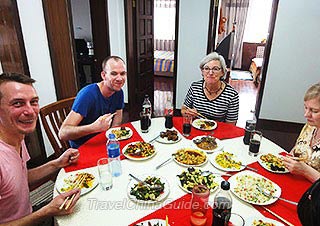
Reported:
(222, 205)
(113, 149)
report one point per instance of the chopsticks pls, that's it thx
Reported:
(277, 216)
(76, 184)
(197, 113)
(299, 159)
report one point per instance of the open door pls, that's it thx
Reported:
(139, 43)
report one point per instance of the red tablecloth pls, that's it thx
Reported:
(95, 148)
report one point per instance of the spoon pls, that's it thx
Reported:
(207, 173)
(168, 160)
(240, 164)
(268, 194)
(153, 187)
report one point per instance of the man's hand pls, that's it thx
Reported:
(69, 157)
(103, 123)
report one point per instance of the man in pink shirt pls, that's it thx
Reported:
(19, 109)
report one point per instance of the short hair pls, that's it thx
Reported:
(313, 92)
(15, 77)
(106, 60)
(214, 56)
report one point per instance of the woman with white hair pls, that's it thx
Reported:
(211, 96)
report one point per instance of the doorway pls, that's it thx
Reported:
(252, 23)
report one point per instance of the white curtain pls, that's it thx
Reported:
(164, 19)
(236, 12)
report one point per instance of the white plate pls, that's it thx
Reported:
(160, 198)
(215, 164)
(264, 165)
(250, 220)
(62, 184)
(122, 137)
(218, 148)
(217, 179)
(197, 122)
(166, 141)
(250, 187)
(186, 165)
(137, 158)
(153, 222)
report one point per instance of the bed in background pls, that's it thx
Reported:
(164, 58)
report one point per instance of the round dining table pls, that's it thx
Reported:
(114, 207)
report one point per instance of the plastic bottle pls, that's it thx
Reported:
(113, 149)
(147, 107)
(168, 113)
(222, 205)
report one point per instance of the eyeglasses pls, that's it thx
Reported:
(214, 69)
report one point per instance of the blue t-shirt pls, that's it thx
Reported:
(91, 104)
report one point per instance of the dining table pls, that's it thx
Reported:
(115, 207)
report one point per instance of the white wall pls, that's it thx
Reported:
(192, 44)
(294, 61)
(117, 33)
(37, 50)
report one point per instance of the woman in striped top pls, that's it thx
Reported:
(211, 96)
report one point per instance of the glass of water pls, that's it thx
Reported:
(105, 175)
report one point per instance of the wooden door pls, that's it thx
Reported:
(13, 59)
(139, 27)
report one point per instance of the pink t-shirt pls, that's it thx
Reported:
(14, 190)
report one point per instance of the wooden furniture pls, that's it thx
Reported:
(52, 117)
(248, 53)
(255, 69)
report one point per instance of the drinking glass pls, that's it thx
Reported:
(255, 140)
(186, 129)
(199, 205)
(235, 220)
(144, 122)
(105, 174)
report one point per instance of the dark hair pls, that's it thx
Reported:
(105, 61)
(15, 77)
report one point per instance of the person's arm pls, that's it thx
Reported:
(52, 209)
(70, 129)
(117, 118)
(37, 174)
(188, 111)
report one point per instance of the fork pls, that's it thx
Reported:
(267, 194)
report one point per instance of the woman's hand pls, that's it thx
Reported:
(295, 167)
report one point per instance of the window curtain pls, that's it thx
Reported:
(236, 13)
(164, 24)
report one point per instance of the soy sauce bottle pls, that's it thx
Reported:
(222, 205)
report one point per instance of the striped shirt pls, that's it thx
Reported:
(224, 108)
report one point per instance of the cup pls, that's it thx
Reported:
(186, 128)
(105, 174)
(199, 205)
(255, 140)
(168, 121)
(144, 122)
(235, 220)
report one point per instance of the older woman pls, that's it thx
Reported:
(211, 96)
(306, 152)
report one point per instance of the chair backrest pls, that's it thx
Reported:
(52, 117)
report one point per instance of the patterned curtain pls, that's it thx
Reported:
(164, 24)
(236, 13)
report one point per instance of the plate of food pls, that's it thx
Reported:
(204, 124)
(192, 177)
(139, 150)
(272, 163)
(226, 161)
(121, 133)
(154, 189)
(248, 186)
(207, 144)
(190, 157)
(170, 136)
(262, 221)
(152, 222)
(83, 180)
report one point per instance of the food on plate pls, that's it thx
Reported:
(273, 162)
(206, 143)
(170, 135)
(192, 177)
(80, 180)
(226, 160)
(262, 223)
(205, 124)
(147, 191)
(190, 156)
(121, 133)
(247, 188)
(139, 149)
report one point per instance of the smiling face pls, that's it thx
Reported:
(19, 108)
(212, 72)
(114, 75)
(312, 111)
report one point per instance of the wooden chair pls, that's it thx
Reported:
(52, 117)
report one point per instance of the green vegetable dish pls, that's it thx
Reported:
(149, 192)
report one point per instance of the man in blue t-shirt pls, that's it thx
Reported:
(97, 106)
